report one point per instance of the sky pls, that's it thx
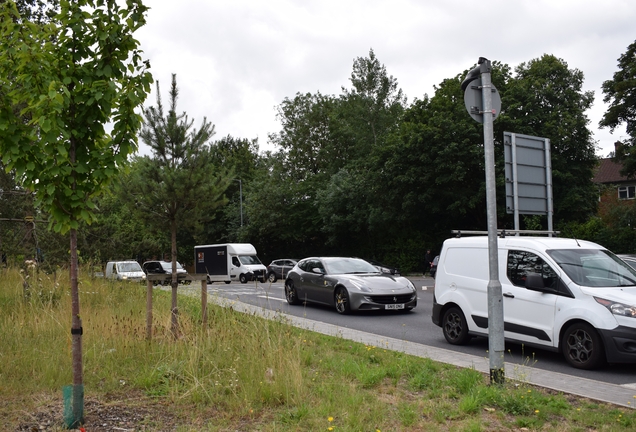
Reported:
(237, 60)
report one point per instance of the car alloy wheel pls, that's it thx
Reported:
(290, 293)
(342, 301)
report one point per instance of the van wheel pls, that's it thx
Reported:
(455, 327)
(243, 278)
(582, 347)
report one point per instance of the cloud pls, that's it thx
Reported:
(236, 61)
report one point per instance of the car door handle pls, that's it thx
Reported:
(508, 295)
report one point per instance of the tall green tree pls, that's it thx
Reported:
(546, 98)
(620, 93)
(178, 185)
(60, 84)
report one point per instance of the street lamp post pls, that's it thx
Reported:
(240, 197)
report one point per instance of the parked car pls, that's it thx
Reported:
(165, 268)
(384, 268)
(433, 268)
(349, 284)
(629, 259)
(279, 268)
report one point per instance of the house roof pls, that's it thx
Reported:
(608, 171)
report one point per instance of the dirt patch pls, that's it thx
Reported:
(113, 413)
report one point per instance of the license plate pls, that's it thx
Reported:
(394, 306)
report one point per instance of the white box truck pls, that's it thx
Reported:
(228, 262)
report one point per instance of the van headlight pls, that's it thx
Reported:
(617, 308)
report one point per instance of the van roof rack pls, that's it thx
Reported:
(504, 232)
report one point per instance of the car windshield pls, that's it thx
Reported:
(126, 267)
(249, 259)
(594, 267)
(348, 266)
(167, 266)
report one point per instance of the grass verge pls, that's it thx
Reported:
(242, 372)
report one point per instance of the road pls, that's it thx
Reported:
(415, 326)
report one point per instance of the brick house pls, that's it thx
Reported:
(614, 189)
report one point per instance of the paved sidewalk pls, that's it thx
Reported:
(612, 393)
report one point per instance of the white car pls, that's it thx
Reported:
(560, 294)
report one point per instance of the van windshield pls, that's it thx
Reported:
(125, 267)
(594, 267)
(249, 259)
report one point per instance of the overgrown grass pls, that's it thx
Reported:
(243, 372)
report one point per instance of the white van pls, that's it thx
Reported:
(125, 270)
(560, 294)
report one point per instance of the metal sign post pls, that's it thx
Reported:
(496, 345)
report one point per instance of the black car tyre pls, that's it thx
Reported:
(582, 346)
(290, 293)
(272, 277)
(228, 282)
(342, 301)
(243, 278)
(455, 327)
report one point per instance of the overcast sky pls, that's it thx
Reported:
(236, 60)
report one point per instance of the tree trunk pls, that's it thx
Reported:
(175, 311)
(76, 336)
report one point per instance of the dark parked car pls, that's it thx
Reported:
(629, 259)
(165, 268)
(384, 268)
(348, 284)
(433, 268)
(279, 268)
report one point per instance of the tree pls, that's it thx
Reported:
(60, 83)
(178, 185)
(374, 104)
(545, 98)
(620, 93)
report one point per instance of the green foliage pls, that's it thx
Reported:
(60, 83)
(620, 93)
(546, 99)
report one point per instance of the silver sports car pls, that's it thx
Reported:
(348, 284)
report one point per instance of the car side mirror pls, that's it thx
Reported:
(317, 270)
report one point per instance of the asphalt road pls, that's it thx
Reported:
(415, 326)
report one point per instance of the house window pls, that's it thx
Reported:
(626, 192)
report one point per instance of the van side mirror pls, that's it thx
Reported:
(534, 282)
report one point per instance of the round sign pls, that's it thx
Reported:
(474, 103)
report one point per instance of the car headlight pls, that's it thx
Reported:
(124, 277)
(618, 308)
(410, 285)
